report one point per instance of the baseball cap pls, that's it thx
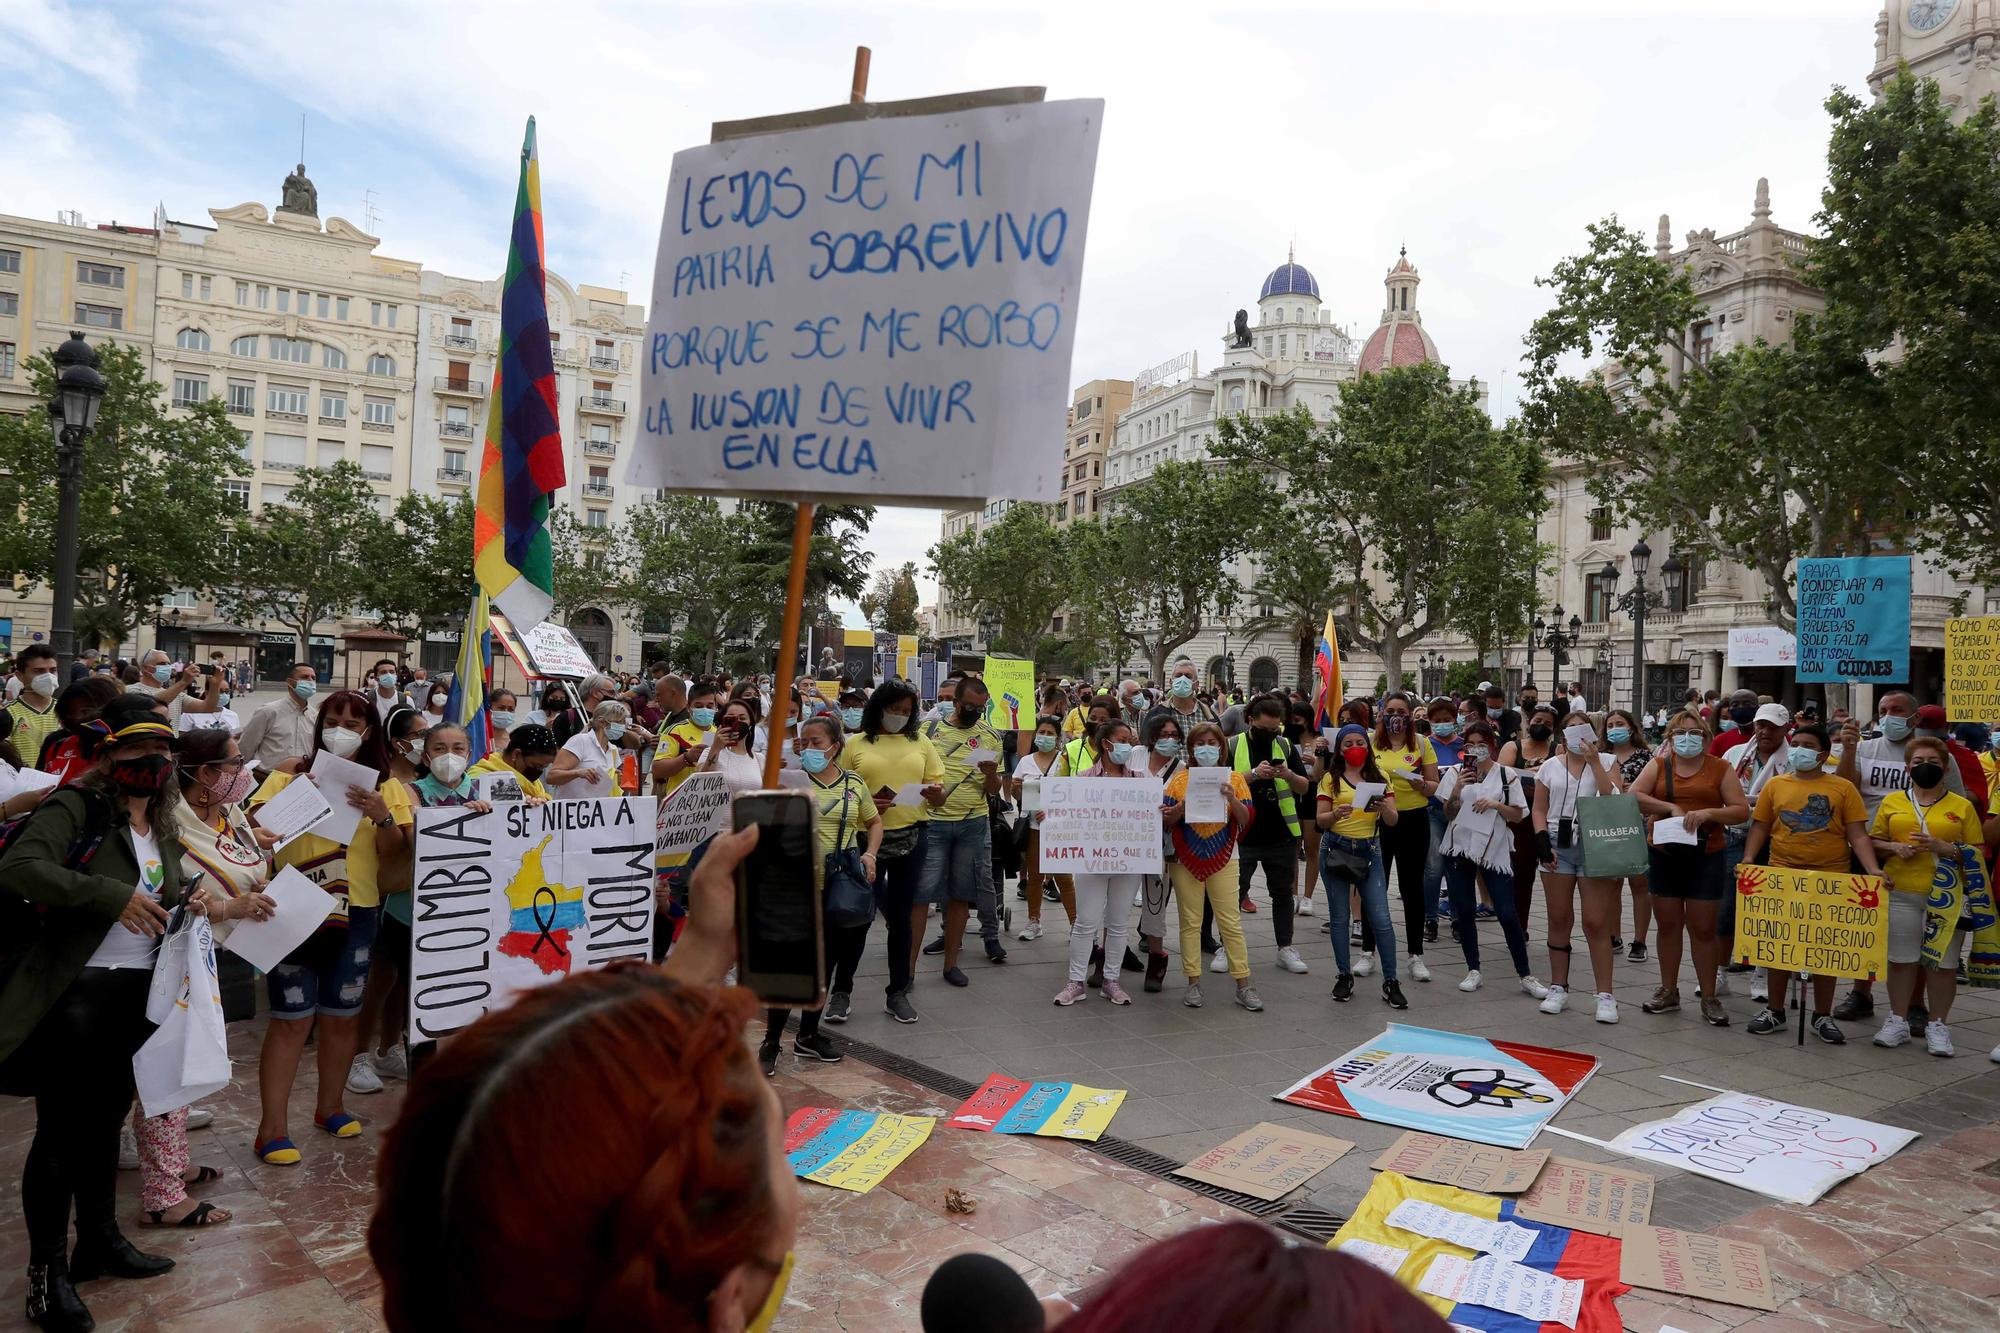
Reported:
(1930, 718)
(1776, 714)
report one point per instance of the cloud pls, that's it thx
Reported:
(85, 40)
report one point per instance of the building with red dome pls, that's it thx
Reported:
(1399, 340)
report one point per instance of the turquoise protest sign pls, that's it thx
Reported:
(1854, 619)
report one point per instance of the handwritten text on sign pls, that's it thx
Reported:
(1101, 826)
(880, 308)
(523, 897)
(1854, 619)
(691, 814)
(1972, 668)
(1831, 924)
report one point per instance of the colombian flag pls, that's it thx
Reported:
(467, 705)
(1326, 664)
(1558, 1251)
(1053, 1110)
(522, 463)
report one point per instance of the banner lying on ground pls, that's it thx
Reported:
(1529, 1286)
(1499, 1092)
(521, 897)
(1788, 1152)
(851, 1150)
(1053, 1110)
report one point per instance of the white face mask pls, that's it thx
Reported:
(894, 722)
(386, 682)
(448, 768)
(340, 742)
(44, 682)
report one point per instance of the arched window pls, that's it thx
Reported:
(381, 364)
(244, 346)
(331, 357)
(192, 340)
(1236, 398)
(1264, 675)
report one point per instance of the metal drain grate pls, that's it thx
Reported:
(1118, 1150)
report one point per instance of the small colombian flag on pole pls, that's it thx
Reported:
(522, 462)
(467, 704)
(1326, 664)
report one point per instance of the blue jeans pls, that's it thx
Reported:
(958, 866)
(1434, 864)
(1459, 873)
(1374, 901)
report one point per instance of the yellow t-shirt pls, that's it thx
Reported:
(1176, 790)
(1991, 763)
(1412, 756)
(844, 806)
(1950, 817)
(493, 763)
(1335, 790)
(31, 729)
(892, 762)
(964, 782)
(1808, 819)
(346, 872)
(1074, 722)
(674, 743)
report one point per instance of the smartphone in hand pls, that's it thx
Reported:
(780, 929)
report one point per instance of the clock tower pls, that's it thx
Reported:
(1955, 43)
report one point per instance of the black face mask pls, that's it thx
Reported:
(141, 776)
(1926, 775)
(1743, 716)
(1541, 731)
(968, 713)
(534, 774)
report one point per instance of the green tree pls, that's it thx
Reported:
(304, 561)
(583, 573)
(419, 565)
(154, 514)
(1016, 573)
(760, 562)
(1462, 677)
(1910, 255)
(892, 600)
(1161, 563)
(1493, 602)
(1759, 454)
(669, 570)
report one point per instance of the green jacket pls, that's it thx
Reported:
(80, 905)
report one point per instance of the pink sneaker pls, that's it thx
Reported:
(1070, 994)
(1115, 992)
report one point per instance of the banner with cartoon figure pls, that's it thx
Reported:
(851, 1150)
(1053, 1110)
(1828, 923)
(1010, 685)
(1498, 1092)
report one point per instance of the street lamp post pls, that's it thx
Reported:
(1636, 603)
(1223, 684)
(1534, 632)
(72, 414)
(1557, 641)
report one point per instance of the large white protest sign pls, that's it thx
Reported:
(1788, 1152)
(522, 897)
(880, 308)
(692, 813)
(1762, 645)
(1101, 826)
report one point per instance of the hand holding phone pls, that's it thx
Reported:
(780, 931)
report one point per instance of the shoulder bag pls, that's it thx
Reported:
(849, 896)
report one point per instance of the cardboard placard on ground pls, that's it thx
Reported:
(1734, 1272)
(1473, 1166)
(1603, 1199)
(1267, 1161)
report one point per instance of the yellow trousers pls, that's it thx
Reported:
(1219, 891)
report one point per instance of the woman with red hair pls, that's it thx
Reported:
(600, 1155)
(1240, 1275)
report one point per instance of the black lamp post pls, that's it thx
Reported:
(72, 415)
(1637, 602)
(1535, 632)
(1556, 640)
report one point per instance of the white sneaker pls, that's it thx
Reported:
(200, 1117)
(1139, 898)
(1031, 931)
(1760, 986)
(1534, 987)
(393, 1065)
(1895, 1031)
(1416, 969)
(1937, 1037)
(1220, 963)
(1721, 983)
(1607, 1007)
(362, 1078)
(1994, 1055)
(1364, 965)
(1305, 907)
(1557, 997)
(1471, 982)
(128, 1148)
(1288, 958)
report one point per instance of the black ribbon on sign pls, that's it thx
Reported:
(545, 896)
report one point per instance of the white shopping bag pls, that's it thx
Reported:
(187, 1058)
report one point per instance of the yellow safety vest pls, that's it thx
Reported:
(1280, 749)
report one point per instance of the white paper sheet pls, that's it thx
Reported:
(910, 793)
(32, 779)
(300, 808)
(978, 757)
(1385, 1257)
(1448, 783)
(1506, 1239)
(1501, 1284)
(1674, 829)
(1580, 733)
(335, 775)
(1365, 793)
(302, 907)
(1205, 801)
(1409, 775)
(1031, 795)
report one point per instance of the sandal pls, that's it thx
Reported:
(277, 1152)
(340, 1124)
(200, 1217)
(206, 1175)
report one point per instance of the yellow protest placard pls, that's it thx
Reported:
(1827, 923)
(1010, 682)
(1972, 669)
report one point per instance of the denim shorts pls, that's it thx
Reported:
(958, 861)
(1569, 860)
(327, 973)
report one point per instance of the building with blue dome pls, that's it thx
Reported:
(1290, 279)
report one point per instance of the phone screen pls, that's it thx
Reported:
(779, 932)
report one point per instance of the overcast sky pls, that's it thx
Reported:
(1481, 135)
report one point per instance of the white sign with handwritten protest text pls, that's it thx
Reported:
(1101, 826)
(880, 307)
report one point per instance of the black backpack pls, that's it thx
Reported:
(21, 920)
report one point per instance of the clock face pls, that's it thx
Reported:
(1928, 15)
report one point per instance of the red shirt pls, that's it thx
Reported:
(61, 757)
(1725, 741)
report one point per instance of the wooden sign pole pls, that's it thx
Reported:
(795, 584)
